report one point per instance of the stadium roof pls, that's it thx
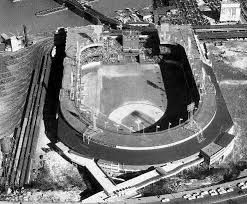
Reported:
(224, 139)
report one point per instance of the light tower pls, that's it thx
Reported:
(203, 79)
(190, 109)
(94, 117)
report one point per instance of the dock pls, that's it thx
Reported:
(49, 11)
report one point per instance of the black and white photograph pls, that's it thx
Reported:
(123, 101)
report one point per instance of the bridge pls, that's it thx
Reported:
(92, 12)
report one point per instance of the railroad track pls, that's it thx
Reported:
(18, 166)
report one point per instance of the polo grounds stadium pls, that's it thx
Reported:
(135, 98)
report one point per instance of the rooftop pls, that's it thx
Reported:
(211, 149)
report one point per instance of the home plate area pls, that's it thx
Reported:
(131, 95)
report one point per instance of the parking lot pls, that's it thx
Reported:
(215, 194)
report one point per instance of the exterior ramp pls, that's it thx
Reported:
(90, 164)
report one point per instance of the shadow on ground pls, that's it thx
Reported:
(51, 108)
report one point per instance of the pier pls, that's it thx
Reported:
(51, 11)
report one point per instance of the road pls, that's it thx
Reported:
(236, 197)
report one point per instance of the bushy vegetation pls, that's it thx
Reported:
(57, 174)
(165, 186)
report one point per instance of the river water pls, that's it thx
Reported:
(108, 7)
(13, 15)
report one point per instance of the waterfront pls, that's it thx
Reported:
(108, 7)
(13, 15)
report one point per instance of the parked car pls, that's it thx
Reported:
(228, 190)
(243, 186)
(191, 198)
(199, 196)
(164, 200)
(204, 193)
(185, 196)
(213, 193)
(222, 191)
(240, 184)
(195, 194)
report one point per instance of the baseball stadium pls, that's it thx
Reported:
(135, 98)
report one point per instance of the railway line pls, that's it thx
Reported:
(17, 170)
(221, 32)
(222, 35)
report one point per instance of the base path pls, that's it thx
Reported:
(145, 108)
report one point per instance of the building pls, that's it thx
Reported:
(5, 38)
(12, 43)
(230, 11)
(219, 149)
(130, 41)
(164, 34)
(16, 44)
(211, 153)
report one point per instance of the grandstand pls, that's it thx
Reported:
(108, 64)
(121, 100)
